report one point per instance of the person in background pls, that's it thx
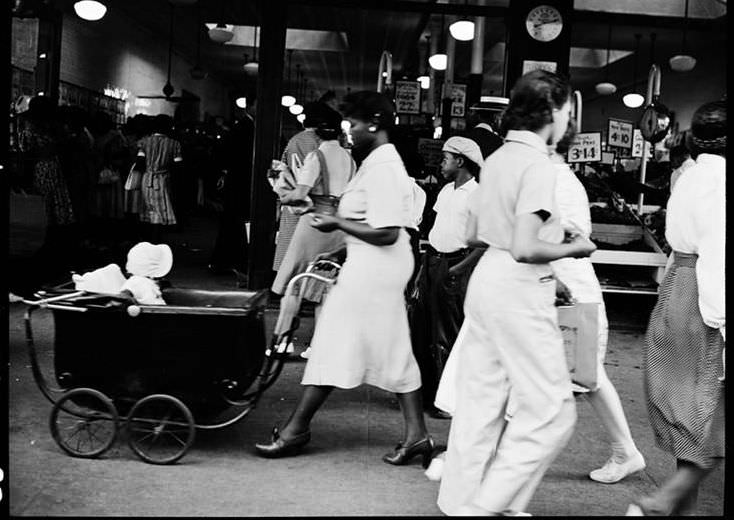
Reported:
(480, 128)
(231, 247)
(39, 140)
(329, 99)
(295, 152)
(321, 181)
(686, 337)
(680, 161)
(362, 335)
(418, 205)
(446, 267)
(514, 406)
(158, 155)
(580, 279)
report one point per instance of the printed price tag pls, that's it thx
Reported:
(638, 143)
(458, 100)
(586, 147)
(620, 133)
(407, 97)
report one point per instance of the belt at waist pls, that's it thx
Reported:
(685, 259)
(454, 254)
(325, 203)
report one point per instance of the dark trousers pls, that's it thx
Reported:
(435, 317)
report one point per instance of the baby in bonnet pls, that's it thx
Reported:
(146, 262)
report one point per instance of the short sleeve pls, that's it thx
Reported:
(440, 198)
(537, 189)
(310, 171)
(387, 198)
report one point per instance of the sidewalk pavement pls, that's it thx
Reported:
(339, 474)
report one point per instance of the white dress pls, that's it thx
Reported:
(362, 335)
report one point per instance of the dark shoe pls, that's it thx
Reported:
(403, 454)
(438, 414)
(279, 447)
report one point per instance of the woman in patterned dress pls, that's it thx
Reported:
(684, 356)
(160, 153)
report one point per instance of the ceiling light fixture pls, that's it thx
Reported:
(633, 99)
(606, 87)
(301, 118)
(425, 82)
(288, 100)
(241, 102)
(295, 109)
(462, 29)
(221, 33)
(251, 67)
(90, 10)
(683, 62)
(439, 60)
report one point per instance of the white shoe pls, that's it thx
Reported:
(435, 469)
(614, 471)
(634, 510)
(578, 389)
(290, 349)
(306, 353)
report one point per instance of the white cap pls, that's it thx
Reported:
(146, 259)
(466, 147)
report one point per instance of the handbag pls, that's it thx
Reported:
(108, 176)
(579, 324)
(134, 179)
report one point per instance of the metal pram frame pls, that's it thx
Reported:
(86, 418)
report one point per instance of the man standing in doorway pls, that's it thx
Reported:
(447, 264)
(482, 125)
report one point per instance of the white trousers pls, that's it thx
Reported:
(514, 409)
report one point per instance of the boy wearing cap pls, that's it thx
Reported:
(446, 267)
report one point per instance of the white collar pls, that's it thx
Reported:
(383, 153)
(485, 126)
(529, 138)
(467, 185)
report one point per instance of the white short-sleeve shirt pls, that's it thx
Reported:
(339, 163)
(448, 233)
(516, 179)
(381, 192)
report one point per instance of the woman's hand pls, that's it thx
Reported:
(563, 294)
(325, 223)
(583, 247)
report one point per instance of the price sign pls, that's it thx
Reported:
(458, 100)
(637, 144)
(586, 147)
(531, 65)
(407, 97)
(620, 133)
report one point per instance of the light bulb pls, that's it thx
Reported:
(438, 61)
(251, 67)
(287, 101)
(633, 100)
(301, 118)
(605, 88)
(682, 63)
(425, 81)
(221, 33)
(90, 10)
(462, 30)
(295, 109)
(241, 102)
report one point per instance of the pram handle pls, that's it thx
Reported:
(316, 263)
(298, 277)
(43, 302)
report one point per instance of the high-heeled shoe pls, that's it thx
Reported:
(280, 447)
(403, 454)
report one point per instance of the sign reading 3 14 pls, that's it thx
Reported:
(586, 147)
(620, 133)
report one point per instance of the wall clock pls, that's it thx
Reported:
(544, 23)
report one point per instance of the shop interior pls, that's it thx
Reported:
(208, 63)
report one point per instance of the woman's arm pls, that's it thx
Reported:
(528, 248)
(296, 195)
(376, 236)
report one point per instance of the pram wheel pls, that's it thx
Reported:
(160, 429)
(84, 423)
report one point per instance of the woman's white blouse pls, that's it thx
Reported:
(381, 192)
(338, 162)
(696, 223)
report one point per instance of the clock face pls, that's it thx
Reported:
(544, 23)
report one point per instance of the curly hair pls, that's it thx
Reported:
(708, 129)
(532, 100)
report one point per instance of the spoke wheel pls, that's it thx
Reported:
(160, 429)
(84, 423)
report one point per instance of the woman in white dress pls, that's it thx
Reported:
(362, 335)
(579, 277)
(514, 409)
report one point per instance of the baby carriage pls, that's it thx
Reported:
(200, 362)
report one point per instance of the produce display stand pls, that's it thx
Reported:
(641, 271)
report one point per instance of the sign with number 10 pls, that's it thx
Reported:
(620, 133)
(586, 147)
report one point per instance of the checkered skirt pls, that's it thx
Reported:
(682, 363)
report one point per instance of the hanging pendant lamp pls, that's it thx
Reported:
(288, 100)
(90, 10)
(683, 62)
(607, 88)
(251, 67)
(439, 60)
(424, 79)
(297, 108)
(462, 29)
(633, 99)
